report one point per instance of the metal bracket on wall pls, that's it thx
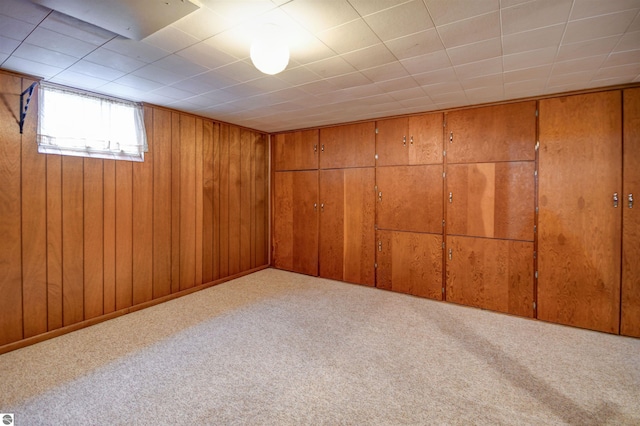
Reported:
(25, 105)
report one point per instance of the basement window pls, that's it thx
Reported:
(72, 122)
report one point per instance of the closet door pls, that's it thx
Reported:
(296, 150)
(295, 230)
(347, 234)
(351, 145)
(579, 221)
(630, 320)
(391, 141)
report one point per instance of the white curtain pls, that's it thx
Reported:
(87, 125)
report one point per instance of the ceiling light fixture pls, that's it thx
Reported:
(269, 50)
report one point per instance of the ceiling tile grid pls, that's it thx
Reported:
(349, 59)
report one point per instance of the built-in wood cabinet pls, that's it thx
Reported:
(409, 140)
(296, 150)
(351, 145)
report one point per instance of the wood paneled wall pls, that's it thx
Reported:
(81, 238)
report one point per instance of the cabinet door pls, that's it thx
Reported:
(425, 139)
(410, 198)
(347, 235)
(630, 321)
(296, 150)
(495, 200)
(495, 133)
(353, 145)
(410, 263)
(295, 230)
(391, 142)
(490, 274)
(579, 240)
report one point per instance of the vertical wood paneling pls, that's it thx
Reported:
(216, 248)
(207, 201)
(262, 202)
(93, 238)
(34, 231)
(143, 220)
(223, 203)
(109, 197)
(234, 200)
(175, 202)
(246, 156)
(72, 240)
(199, 200)
(187, 202)
(124, 234)
(162, 204)
(54, 241)
(10, 259)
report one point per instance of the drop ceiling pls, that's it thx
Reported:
(350, 59)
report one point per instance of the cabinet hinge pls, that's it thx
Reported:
(376, 156)
(535, 229)
(444, 153)
(535, 173)
(535, 306)
(443, 223)
(379, 245)
(537, 145)
(536, 275)
(535, 254)
(537, 209)
(375, 265)
(376, 130)
(536, 112)
(444, 175)
(375, 188)
(443, 245)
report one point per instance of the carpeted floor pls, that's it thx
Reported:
(276, 348)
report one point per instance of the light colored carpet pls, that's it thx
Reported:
(279, 348)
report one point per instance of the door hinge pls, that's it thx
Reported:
(537, 209)
(375, 188)
(536, 275)
(535, 229)
(450, 254)
(376, 156)
(315, 147)
(443, 245)
(375, 265)
(444, 175)
(444, 153)
(537, 145)
(380, 196)
(535, 306)
(536, 112)
(376, 130)
(535, 173)
(535, 254)
(443, 223)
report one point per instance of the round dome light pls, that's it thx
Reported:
(269, 50)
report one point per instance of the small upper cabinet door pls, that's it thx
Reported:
(351, 145)
(296, 150)
(410, 140)
(495, 133)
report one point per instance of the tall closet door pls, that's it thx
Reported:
(630, 320)
(295, 230)
(579, 225)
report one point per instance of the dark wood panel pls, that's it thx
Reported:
(332, 221)
(352, 145)
(162, 202)
(246, 157)
(234, 200)
(93, 238)
(72, 240)
(391, 142)
(630, 320)
(295, 233)
(187, 202)
(579, 239)
(410, 263)
(34, 227)
(223, 203)
(175, 201)
(109, 252)
(411, 198)
(490, 274)
(425, 139)
(207, 201)
(262, 202)
(296, 150)
(143, 220)
(10, 262)
(54, 241)
(494, 133)
(199, 201)
(124, 234)
(216, 250)
(495, 200)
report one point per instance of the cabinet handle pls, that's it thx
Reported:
(322, 148)
(451, 137)
(450, 197)
(315, 207)
(615, 199)
(411, 140)
(450, 254)
(380, 196)
(404, 141)
(322, 207)
(379, 245)
(315, 147)
(630, 200)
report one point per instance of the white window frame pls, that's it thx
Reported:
(78, 123)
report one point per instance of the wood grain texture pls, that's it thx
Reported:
(72, 240)
(579, 239)
(410, 263)
(490, 274)
(234, 205)
(143, 220)
(223, 202)
(296, 150)
(391, 142)
(54, 242)
(93, 238)
(10, 230)
(175, 201)
(216, 250)
(425, 139)
(262, 215)
(34, 227)
(207, 201)
(109, 235)
(332, 232)
(246, 157)
(630, 319)
(351, 145)
(187, 201)
(199, 201)
(124, 234)
(494, 200)
(494, 133)
(411, 198)
(162, 202)
(295, 233)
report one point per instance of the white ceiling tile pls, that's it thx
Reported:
(203, 54)
(415, 44)
(230, 42)
(484, 81)
(44, 56)
(172, 92)
(447, 11)
(171, 39)
(628, 71)
(629, 41)
(26, 66)
(239, 11)
(95, 70)
(525, 87)
(240, 71)
(437, 89)
(538, 38)
(23, 11)
(398, 84)
(269, 83)
(204, 83)
(178, 65)
(8, 45)
(310, 49)
(485, 94)
(470, 30)
(534, 58)
(534, 14)
(349, 80)
(292, 94)
(429, 62)
(331, 67)
(525, 74)
(78, 80)
(581, 77)
(298, 75)
(369, 57)
(598, 27)
(76, 28)
(3, 57)
(317, 16)
(480, 68)
(14, 28)
(367, 7)
(400, 21)
(140, 51)
(124, 91)
(138, 83)
(587, 48)
(475, 52)
(589, 8)
(60, 43)
(363, 91)
(444, 75)
(422, 104)
(316, 87)
(115, 60)
(157, 74)
(202, 24)
(635, 25)
(411, 93)
(347, 37)
(456, 96)
(385, 72)
(591, 63)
